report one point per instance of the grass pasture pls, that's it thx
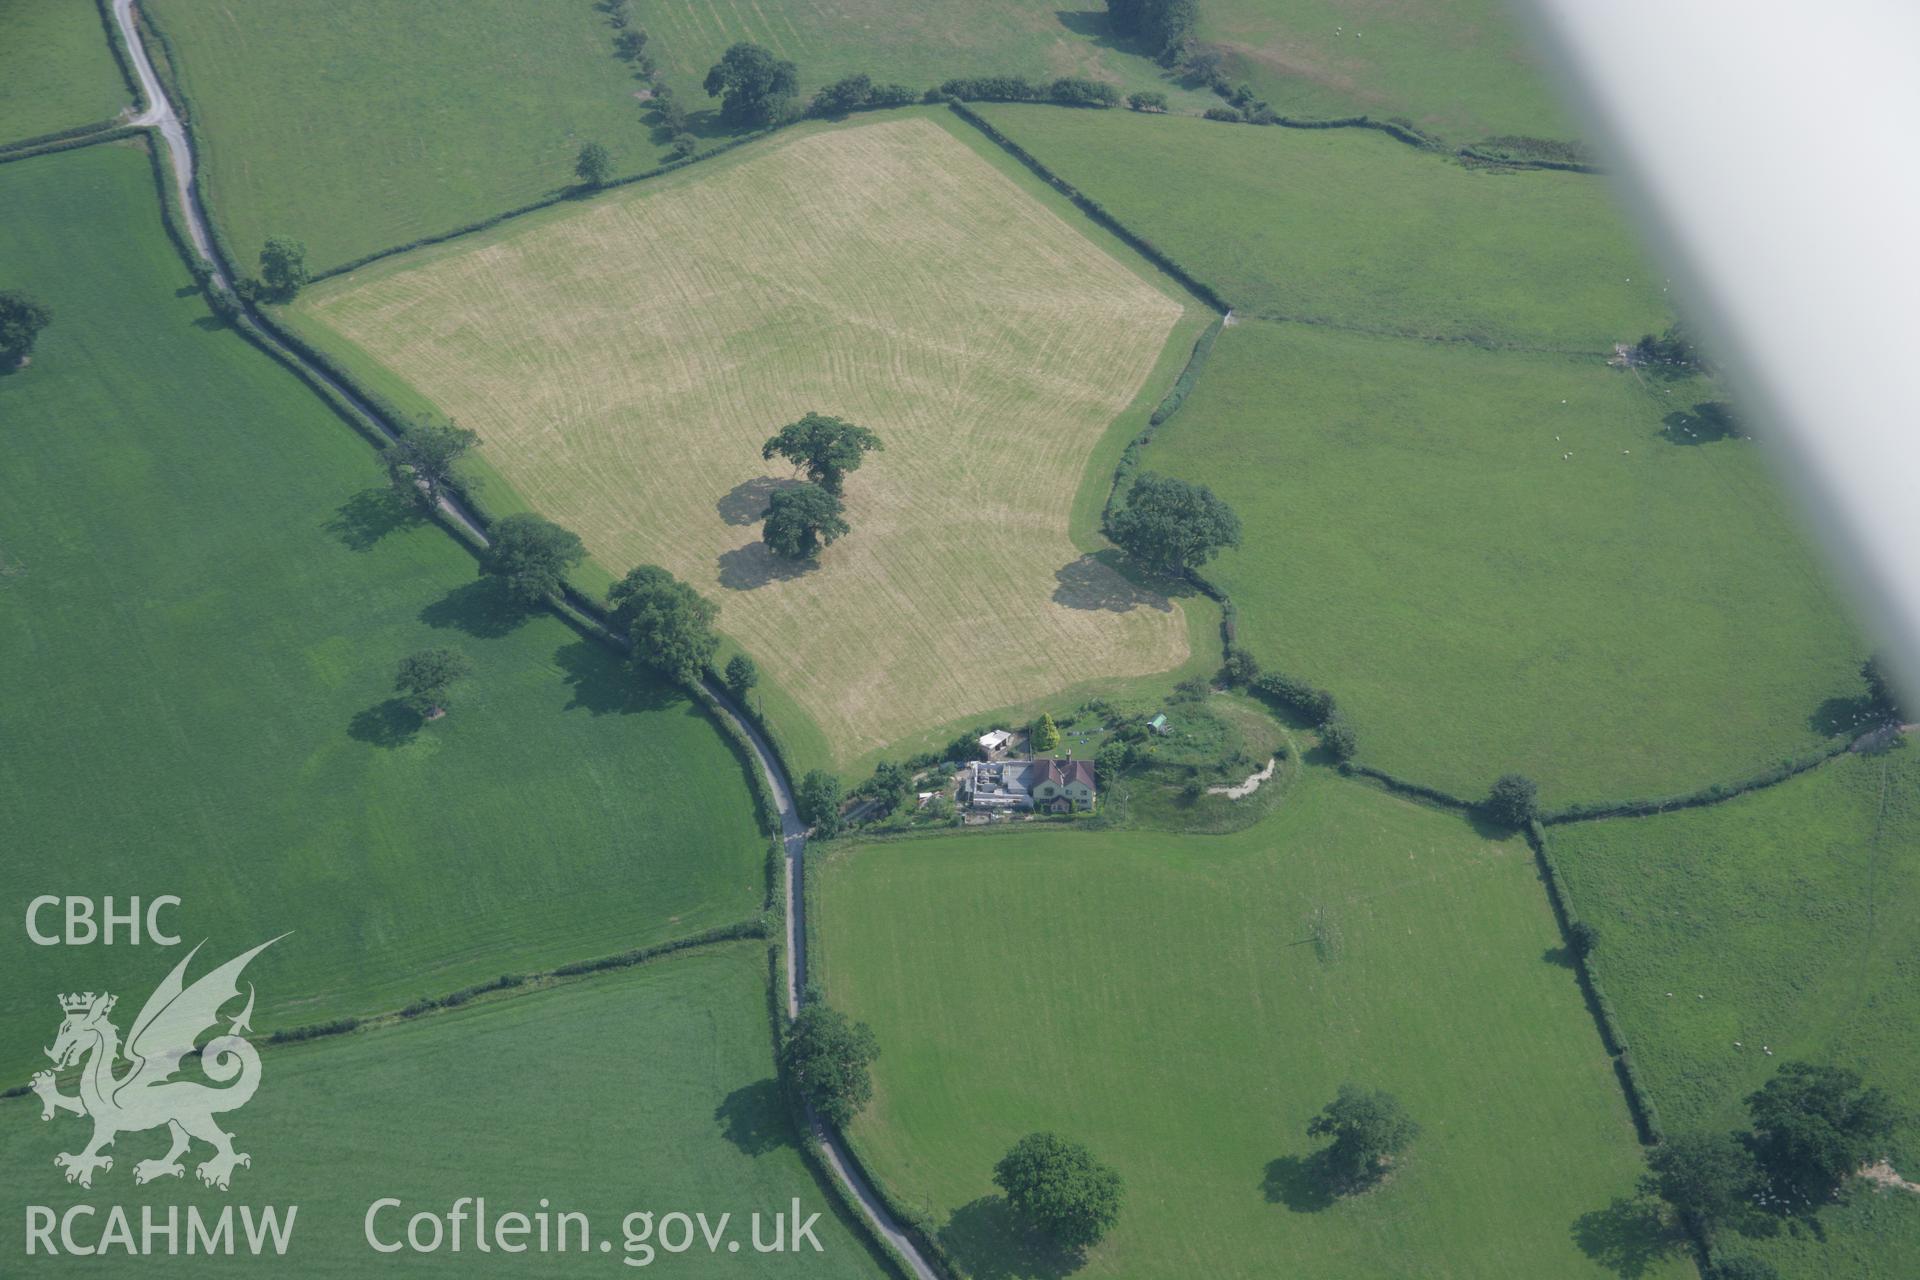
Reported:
(1643, 618)
(919, 43)
(355, 125)
(203, 597)
(1795, 913)
(1352, 229)
(1184, 1004)
(56, 68)
(1464, 69)
(624, 360)
(647, 1090)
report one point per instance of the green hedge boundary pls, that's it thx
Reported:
(546, 202)
(1713, 794)
(74, 143)
(1476, 156)
(1408, 788)
(121, 59)
(38, 141)
(878, 1245)
(1169, 405)
(1095, 210)
(1646, 1116)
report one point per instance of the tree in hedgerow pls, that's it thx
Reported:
(1240, 669)
(531, 555)
(424, 678)
(1814, 1126)
(818, 800)
(593, 165)
(1044, 735)
(1057, 1187)
(823, 446)
(631, 43)
(421, 462)
(1338, 737)
(1173, 526)
(670, 623)
(847, 94)
(801, 520)
(827, 1058)
(891, 785)
(684, 145)
(753, 86)
(1708, 1176)
(21, 320)
(283, 266)
(1369, 1128)
(741, 675)
(1164, 26)
(1514, 800)
(1880, 688)
(1582, 938)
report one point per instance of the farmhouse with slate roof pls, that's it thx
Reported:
(1051, 786)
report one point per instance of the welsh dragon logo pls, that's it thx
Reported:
(147, 1096)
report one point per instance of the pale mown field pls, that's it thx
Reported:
(625, 360)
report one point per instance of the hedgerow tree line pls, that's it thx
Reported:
(1812, 1129)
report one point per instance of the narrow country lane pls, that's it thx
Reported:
(160, 115)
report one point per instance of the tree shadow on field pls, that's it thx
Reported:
(1094, 25)
(746, 503)
(1559, 957)
(1705, 423)
(1627, 1237)
(482, 608)
(993, 1244)
(1298, 1182)
(755, 565)
(370, 515)
(1488, 828)
(1850, 716)
(1095, 583)
(387, 724)
(753, 1119)
(602, 685)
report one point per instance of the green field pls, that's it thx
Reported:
(1643, 618)
(919, 43)
(1168, 1000)
(650, 1090)
(1463, 69)
(356, 125)
(202, 599)
(56, 68)
(1352, 229)
(885, 271)
(1788, 919)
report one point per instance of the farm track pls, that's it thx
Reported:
(161, 116)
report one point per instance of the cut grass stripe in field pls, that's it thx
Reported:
(624, 360)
